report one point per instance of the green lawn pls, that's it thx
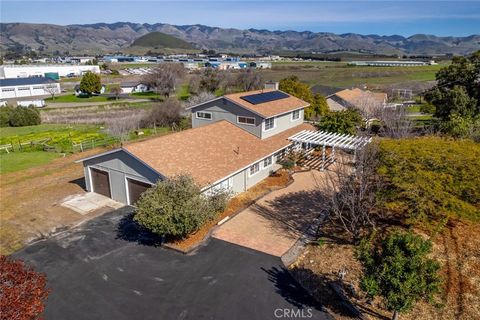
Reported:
(182, 92)
(147, 95)
(15, 161)
(61, 135)
(74, 98)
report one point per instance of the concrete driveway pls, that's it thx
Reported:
(275, 222)
(110, 269)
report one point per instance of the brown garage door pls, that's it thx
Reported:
(100, 182)
(135, 189)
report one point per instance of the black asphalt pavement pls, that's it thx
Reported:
(108, 269)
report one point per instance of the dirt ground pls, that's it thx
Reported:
(30, 201)
(457, 248)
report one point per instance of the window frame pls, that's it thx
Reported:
(245, 123)
(205, 112)
(265, 124)
(293, 113)
(270, 158)
(255, 165)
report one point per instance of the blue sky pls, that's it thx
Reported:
(456, 18)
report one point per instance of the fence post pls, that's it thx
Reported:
(81, 146)
(93, 143)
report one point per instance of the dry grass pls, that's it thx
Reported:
(456, 248)
(30, 200)
(236, 204)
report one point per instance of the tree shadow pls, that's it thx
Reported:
(290, 289)
(130, 230)
(293, 213)
(79, 182)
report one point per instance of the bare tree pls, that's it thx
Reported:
(210, 80)
(194, 84)
(165, 77)
(352, 192)
(202, 96)
(250, 79)
(395, 122)
(51, 89)
(166, 114)
(121, 127)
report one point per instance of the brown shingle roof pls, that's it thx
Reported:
(268, 109)
(356, 95)
(208, 153)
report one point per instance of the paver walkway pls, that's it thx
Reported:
(275, 222)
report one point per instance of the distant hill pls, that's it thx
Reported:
(161, 40)
(103, 38)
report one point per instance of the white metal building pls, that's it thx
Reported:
(27, 87)
(26, 71)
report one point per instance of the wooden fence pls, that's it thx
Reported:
(94, 143)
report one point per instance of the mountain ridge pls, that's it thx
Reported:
(98, 38)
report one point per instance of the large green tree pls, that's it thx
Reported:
(457, 94)
(398, 270)
(90, 83)
(318, 105)
(346, 121)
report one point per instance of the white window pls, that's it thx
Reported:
(8, 89)
(296, 115)
(269, 124)
(204, 115)
(254, 168)
(267, 162)
(23, 88)
(246, 120)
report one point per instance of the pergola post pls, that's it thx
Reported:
(323, 158)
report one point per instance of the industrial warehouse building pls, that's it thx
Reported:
(236, 141)
(27, 87)
(26, 71)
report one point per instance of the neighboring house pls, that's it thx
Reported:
(79, 92)
(131, 87)
(234, 144)
(363, 100)
(27, 87)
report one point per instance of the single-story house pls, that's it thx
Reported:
(363, 100)
(235, 142)
(131, 87)
(79, 92)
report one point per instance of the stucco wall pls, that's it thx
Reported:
(120, 165)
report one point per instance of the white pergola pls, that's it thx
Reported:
(329, 139)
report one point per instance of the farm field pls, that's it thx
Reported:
(74, 98)
(338, 74)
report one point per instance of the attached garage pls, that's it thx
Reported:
(100, 182)
(135, 189)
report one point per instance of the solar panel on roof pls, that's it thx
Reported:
(265, 97)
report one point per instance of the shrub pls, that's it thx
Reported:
(431, 180)
(168, 113)
(399, 271)
(21, 116)
(176, 207)
(22, 290)
(427, 108)
(5, 113)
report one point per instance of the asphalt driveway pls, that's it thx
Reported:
(108, 269)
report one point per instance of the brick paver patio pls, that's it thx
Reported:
(275, 222)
